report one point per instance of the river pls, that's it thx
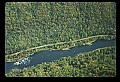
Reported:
(50, 55)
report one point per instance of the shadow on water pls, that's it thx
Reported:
(47, 55)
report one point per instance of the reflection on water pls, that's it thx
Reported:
(50, 55)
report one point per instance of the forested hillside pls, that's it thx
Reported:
(97, 63)
(31, 27)
(32, 24)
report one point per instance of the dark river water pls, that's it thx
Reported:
(47, 55)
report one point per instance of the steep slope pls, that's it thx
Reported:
(32, 24)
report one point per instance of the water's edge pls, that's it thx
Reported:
(50, 55)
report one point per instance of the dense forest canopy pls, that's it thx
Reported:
(31, 24)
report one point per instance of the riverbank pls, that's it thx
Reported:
(99, 62)
(56, 46)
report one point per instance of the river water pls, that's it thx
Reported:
(50, 55)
